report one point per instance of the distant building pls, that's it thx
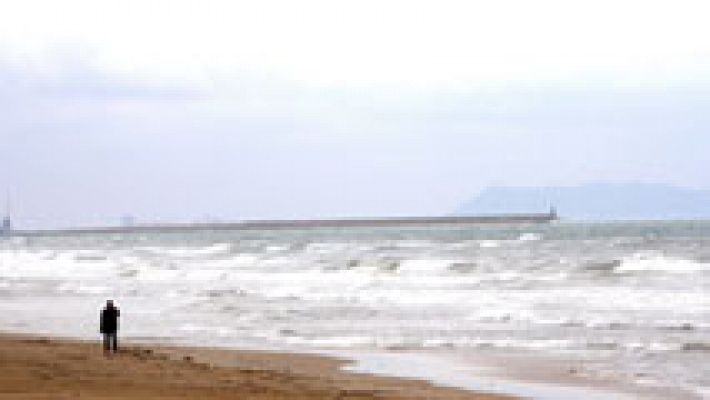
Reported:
(128, 221)
(6, 224)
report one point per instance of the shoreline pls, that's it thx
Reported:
(40, 367)
(514, 373)
(352, 374)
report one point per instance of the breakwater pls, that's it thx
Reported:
(300, 224)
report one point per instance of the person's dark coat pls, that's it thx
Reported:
(109, 319)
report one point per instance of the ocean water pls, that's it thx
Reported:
(629, 300)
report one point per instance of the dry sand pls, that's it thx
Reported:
(41, 368)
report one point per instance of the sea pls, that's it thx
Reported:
(627, 301)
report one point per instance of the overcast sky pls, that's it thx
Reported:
(186, 110)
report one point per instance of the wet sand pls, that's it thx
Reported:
(47, 368)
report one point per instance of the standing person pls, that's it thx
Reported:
(109, 326)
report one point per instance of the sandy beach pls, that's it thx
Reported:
(48, 368)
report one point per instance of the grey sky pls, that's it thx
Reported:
(180, 113)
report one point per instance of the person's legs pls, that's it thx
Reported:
(114, 342)
(107, 342)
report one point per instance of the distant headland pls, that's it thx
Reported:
(597, 201)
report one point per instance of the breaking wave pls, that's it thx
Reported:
(549, 289)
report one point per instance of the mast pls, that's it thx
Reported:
(7, 220)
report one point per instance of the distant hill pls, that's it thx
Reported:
(599, 201)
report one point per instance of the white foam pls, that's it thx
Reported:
(425, 266)
(189, 252)
(643, 262)
(64, 266)
(74, 287)
(529, 236)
